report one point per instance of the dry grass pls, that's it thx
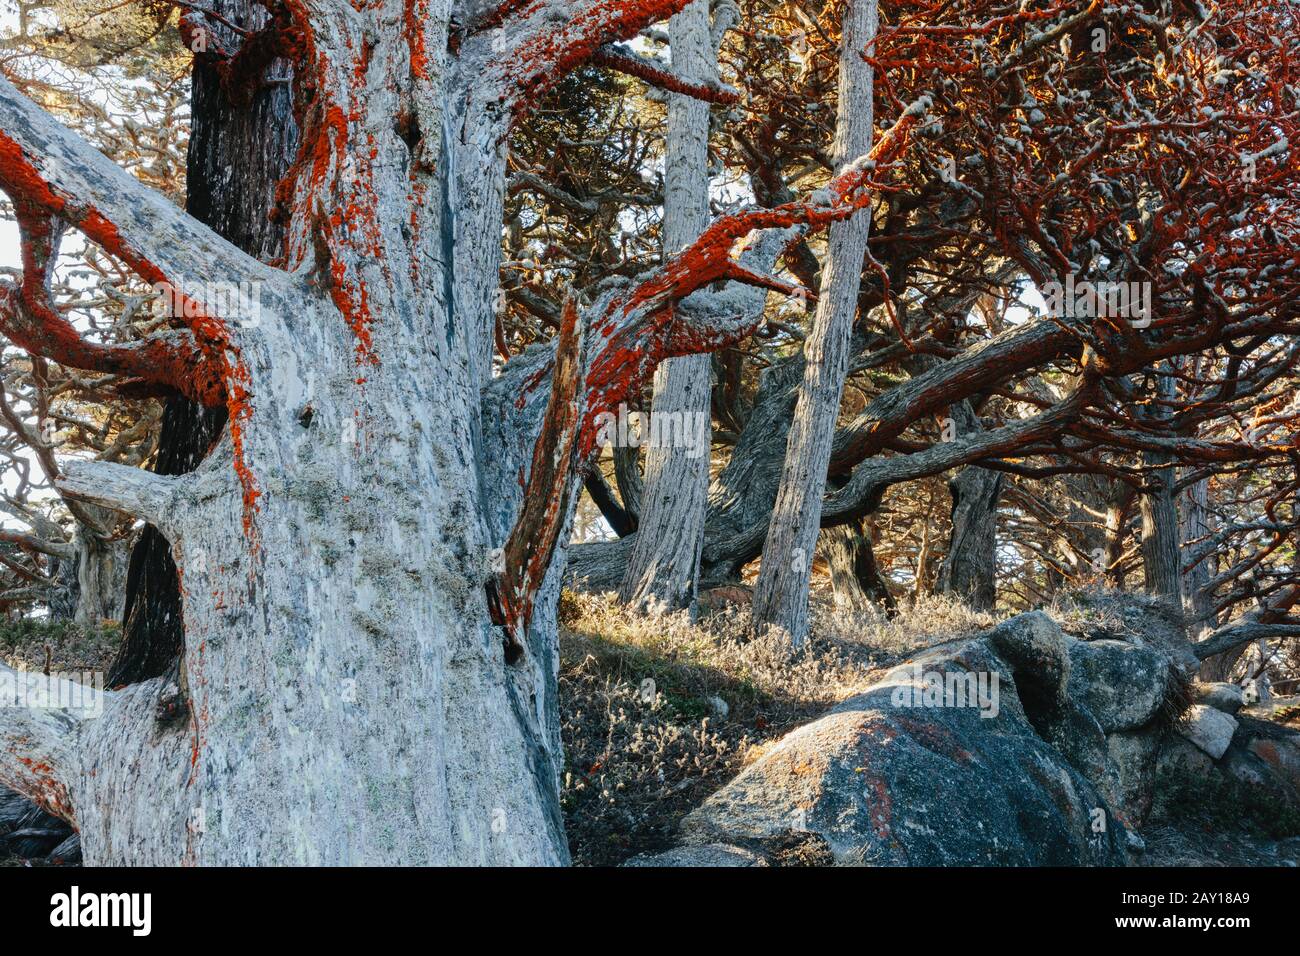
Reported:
(645, 737)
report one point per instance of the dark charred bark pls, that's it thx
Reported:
(239, 150)
(621, 521)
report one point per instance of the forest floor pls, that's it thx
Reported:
(640, 757)
(658, 713)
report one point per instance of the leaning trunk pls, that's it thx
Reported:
(781, 592)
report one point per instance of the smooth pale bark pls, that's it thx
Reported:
(663, 570)
(781, 592)
(969, 569)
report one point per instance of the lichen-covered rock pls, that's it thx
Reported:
(1226, 697)
(937, 764)
(1034, 647)
(710, 854)
(1276, 746)
(1209, 729)
(1077, 736)
(1121, 684)
(1133, 619)
(1133, 755)
(1179, 758)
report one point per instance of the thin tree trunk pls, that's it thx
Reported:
(664, 568)
(1198, 596)
(1118, 509)
(101, 572)
(1198, 600)
(969, 569)
(1160, 540)
(781, 593)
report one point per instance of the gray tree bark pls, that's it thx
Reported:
(1162, 567)
(664, 568)
(781, 593)
(1198, 598)
(101, 578)
(969, 569)
(856, 580)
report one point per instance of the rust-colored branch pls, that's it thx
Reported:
(532, 541)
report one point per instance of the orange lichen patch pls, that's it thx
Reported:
(330, 172)
(415, 14)
(616, 59)
(43, 330)
(553, 54)
(352, 299)
(46, 790)
(881, 806)
(934, 737)
(503, 11)
(876, 731)
(639, 329)
(199, 714)
(415, 200)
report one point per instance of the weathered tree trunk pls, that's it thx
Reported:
(664, 568)
(1198, 599)
(349, 700)
(1198, 591)
(370, 558)
(969, 569)
(781, 593)
(101, 573)
(855, 577)
(1161, 565)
